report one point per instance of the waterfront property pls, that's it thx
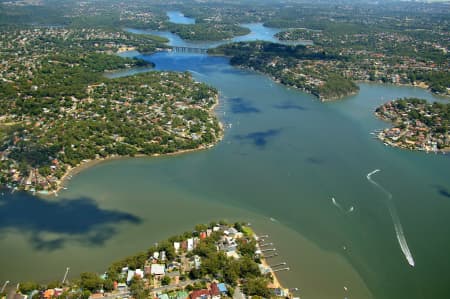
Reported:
(175, 269)
(418, 125)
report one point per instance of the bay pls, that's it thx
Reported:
(179, 18)
(284, 156)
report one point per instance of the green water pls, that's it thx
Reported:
(283, 158)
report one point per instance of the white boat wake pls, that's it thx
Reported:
(197, 73)
(336, 204)
(395, 219)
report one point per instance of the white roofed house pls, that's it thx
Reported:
(130, 275)
(139, 273)
(197, 262)
(158, 269)
(176, 246)
(190, 244)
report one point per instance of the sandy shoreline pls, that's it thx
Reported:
(63, 182)
(275, 283)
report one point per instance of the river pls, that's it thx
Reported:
(179, 18)
(284, 156)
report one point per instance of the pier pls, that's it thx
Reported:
(4, 286)
(282, 269)
(275, 267)
(65, 275)
(268, 249)
(278, 265)
(269, 256)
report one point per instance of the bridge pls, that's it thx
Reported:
(189, 50)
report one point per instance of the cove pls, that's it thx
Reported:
(179, 18)
(283, 157)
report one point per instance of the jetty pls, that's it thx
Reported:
(274, 268)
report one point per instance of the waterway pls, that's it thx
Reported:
(179, 18)
(257, 32)
(284, 156)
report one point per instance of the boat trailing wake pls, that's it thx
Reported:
(395, 219)
(336, 204)
(197, 73)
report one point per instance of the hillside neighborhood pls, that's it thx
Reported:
(418, 125)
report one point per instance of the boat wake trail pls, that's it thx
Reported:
(395, 219)
(197, 73)
(336, 204)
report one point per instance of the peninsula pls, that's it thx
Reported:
(418, 125)
(299, 66)
(58, 110)
(218, 260)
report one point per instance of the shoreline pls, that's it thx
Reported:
(420, 85)
(86, 164)
(388, 142)
(276, 80)
(275, 281)
(402, 146)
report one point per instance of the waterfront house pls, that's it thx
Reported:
(190, 244)
(139, 273)
(49, 293)
(130, 276)
(176, 246)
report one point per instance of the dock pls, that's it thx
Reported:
(274, 268)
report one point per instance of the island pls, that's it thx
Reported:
(59, 111)
(216, 260)
(418, 125)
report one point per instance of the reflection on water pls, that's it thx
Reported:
(259, 139)
(284, 156)
(79, 219)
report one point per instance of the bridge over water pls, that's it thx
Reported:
(194, 50)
